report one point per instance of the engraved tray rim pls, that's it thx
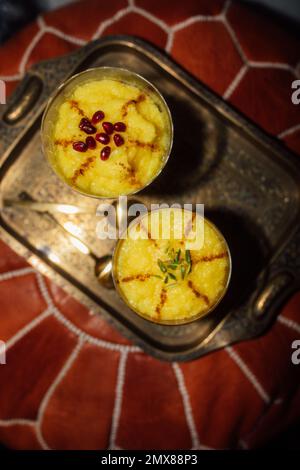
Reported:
(226, 332)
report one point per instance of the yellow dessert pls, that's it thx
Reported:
(163, 279)
(129, 163)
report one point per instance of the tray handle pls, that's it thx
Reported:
(25, 100)
(274, 294)
(31, 95)
(38, 82)
(283, 279)
(279, 282)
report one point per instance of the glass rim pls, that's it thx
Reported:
(59, 90)
(183, 321)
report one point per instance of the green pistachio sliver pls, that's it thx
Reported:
(178, 256)
(171, 285)
(157, 275)
(166, 280)
(182, 271)
(188, 256)
(172, 276)
(162, 266)
(173, 265)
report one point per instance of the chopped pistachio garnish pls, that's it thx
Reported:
(183, 271)
(162, 266)
(174, 262)
(171, 285)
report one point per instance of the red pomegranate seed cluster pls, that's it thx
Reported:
(88, 126)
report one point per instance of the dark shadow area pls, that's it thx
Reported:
(198, 147)
(249, 252)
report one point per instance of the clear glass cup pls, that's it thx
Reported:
(95, 74)
(180, 321)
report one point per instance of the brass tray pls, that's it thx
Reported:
(249, 183)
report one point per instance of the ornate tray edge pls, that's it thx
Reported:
(220, 337)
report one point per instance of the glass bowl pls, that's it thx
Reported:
(95, 74)
(178, 321)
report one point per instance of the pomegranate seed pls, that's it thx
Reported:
(88, 129)
(80, 146)
(105, 153)
(90, 142)
(103, 138)
(118, 140)
(84, 122)
(108, 127)
(120, 126)
(97, 116)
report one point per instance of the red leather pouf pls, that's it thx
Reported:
(71, 381)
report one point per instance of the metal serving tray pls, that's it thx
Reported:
(249, 183)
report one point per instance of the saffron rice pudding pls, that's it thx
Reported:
(166, 280)
(110, 132)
